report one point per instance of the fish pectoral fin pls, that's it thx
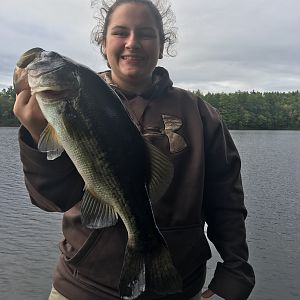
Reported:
(50, 144)
(161, 173)
(96, 213)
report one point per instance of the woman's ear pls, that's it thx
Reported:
(103, 48)
(103, 52)
(161, 52)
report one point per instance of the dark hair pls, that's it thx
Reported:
(162, 12)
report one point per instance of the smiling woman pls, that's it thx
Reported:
(161, 12)
(132, 47)
(103, 258)
(132, 37)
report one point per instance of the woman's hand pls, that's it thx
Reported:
(27, 110)
(207, 294)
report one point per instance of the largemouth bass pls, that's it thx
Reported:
(87, 119)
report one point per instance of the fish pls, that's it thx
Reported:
(122, 172)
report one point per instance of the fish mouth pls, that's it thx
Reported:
(53, 94)
(47, 74)
(29, 56)
(20, 80)
(26, 67)
(20, 76)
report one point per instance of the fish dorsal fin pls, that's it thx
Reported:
(50, 144)
(95, 213)
(161, 173)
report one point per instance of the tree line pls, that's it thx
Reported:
(257, 110)
(240, 110)
(7, 100)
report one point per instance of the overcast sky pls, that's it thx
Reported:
(223, 45)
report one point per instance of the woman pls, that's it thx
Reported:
(206, 186)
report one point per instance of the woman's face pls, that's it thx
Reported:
(132, 45)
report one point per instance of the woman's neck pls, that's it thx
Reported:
(133, 87)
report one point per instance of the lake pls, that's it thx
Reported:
(271, 178)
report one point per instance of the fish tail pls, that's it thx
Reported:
(162, 276)
(132, 280)
(149, 271)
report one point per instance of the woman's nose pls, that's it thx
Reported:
(132, 42)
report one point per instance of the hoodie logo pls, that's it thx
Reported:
(176, 141)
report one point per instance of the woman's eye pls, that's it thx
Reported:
(139, 35)
(120, 33)
(147, 35)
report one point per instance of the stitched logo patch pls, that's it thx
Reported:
(176, 141)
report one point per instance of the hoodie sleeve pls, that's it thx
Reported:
(52, 185)
(224, 209)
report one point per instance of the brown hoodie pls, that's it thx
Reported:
(206, 188)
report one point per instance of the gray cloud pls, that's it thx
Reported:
(229, 45)
(222, 45)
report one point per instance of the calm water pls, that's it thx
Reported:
(271, 176)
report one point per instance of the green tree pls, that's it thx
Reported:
(256, 110)
(7, 100)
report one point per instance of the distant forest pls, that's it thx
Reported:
(7, 100)
(256, 110)
(240, 110)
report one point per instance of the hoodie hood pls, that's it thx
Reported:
(160, 83)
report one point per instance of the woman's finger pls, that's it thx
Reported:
(23, 97)
(207, 294)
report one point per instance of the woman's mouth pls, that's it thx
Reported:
(132, 58)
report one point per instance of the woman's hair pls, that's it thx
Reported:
(161, 10)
